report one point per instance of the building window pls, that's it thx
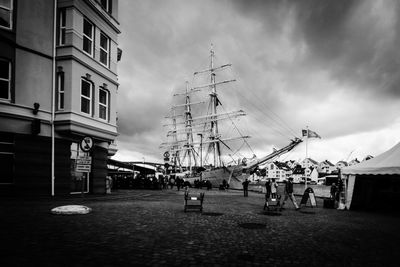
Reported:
(6, 10)
(104, 49)
(6, 158)
(86, 97)
(88, 37)
(60, 89)
(62, 27)
(107, 5)
(103, 104)
(5, 79)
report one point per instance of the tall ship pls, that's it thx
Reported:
(196, 143)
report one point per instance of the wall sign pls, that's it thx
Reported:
(86, 143)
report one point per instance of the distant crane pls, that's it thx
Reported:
(349, 155)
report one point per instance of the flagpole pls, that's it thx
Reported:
(305, 182)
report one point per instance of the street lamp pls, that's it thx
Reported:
(201, 149)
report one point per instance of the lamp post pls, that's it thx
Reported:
(201, 149)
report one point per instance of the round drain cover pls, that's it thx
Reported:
(71, 209)
(252, 225)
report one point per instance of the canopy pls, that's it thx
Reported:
(385, 163)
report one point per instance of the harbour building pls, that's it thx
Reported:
(58, 85)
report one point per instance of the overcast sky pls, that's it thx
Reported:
(333, 66)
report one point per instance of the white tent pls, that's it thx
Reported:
(387, 163)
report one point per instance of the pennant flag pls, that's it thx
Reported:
(311, 134)
(218, 102)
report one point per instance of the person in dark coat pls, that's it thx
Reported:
(208, 185)
(179, 181)
(246, 188)
(267, 189)
(289, 193)
(333, 191)
(224, 184)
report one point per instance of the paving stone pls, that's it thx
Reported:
(149, 228)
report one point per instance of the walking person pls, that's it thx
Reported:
(274, 188)
(289, 193)
(246, 188)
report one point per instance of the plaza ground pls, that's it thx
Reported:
(150, 228)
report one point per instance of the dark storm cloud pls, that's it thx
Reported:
(331, 65)
(356, 41)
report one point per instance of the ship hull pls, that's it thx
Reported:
(233, 175)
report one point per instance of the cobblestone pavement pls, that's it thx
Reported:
(150, 228)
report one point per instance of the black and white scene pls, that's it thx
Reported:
(199, 133)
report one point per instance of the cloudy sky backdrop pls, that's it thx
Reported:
(333, 66)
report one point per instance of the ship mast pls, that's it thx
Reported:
(188, 127)
(174, 148)
(209, 121)
(214, 102)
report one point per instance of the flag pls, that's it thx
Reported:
(218, 102)
(311, 134)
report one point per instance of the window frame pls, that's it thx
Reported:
(90, 98)
(62, 26)
(7, 80)
(90, 38)
(108, 6)
(102, 50)
(106, 105)
(60, 90)
(11, 10)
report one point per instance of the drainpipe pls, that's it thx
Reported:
(53, 95)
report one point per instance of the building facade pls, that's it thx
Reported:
(58, 84)
(341, 164)
(326, 166)
(277, 170)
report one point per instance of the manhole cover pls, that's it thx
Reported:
(252, 225)
(71, 209)
(212, 213)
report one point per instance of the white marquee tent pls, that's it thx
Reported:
(383, 165)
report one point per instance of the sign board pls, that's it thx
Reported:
(86, 143)
(308, 194)
(312, 199)
(84, 160)
(83, 168)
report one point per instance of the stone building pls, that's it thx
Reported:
(58, 84)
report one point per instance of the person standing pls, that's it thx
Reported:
(333, 191)
(178, 182)
(246, 188)
(274, 188)
(267, 189)
(172, 181)
(289, 193)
